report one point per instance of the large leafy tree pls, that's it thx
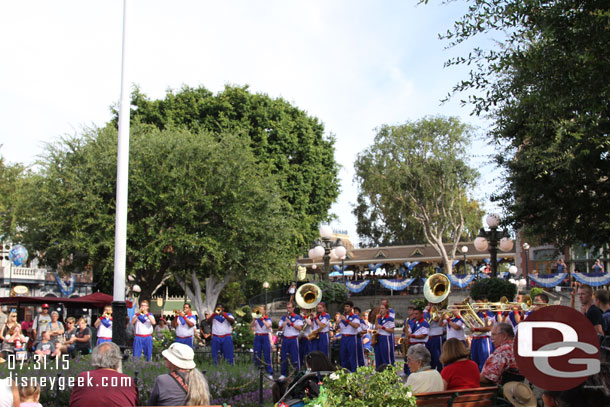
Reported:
(287, 142)
(416, 175)
(544, 83)
(199, 204)
(11, 178)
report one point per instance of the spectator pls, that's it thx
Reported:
(26, 326)
(594, 392)
(9, 395)
(3, 316)
(41, 322)
(423, 379)
(184, 384)
(29, 394)
(561, 266)
(602, 301)
(46, 347)
(206, 329)
(7, 331)
(459, 371)
(56, 328)
(160, 328)
(519, 394)
(82, 338)
(104, 386)
(598, 267)
(585, 295)
(68, 346)
(501, 366)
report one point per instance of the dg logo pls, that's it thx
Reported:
(556, 348)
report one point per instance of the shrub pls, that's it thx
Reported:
(364, 388)
(333, 293)
(493, 289)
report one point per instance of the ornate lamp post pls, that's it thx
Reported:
(266, 287)
(464, 251)
(526, 247)
(327, 249)
(492, 239)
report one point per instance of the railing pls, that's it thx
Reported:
(24, 273)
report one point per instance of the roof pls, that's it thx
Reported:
(95, 300)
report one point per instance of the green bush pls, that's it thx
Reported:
(535, 291)
(493, 289)
(160, 344)
(333, 293)
(364, 388)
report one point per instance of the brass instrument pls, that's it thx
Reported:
(314, 335)
(374, 337)
(437, 288)
(176, 311)
(308, 296)
(404, 346)
(258, 312)
(373, 314)
(218, 310)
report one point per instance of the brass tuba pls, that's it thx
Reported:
(258, 312)
(437, 288)
(308, 296)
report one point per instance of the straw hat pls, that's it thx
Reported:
(519, 394)
(180, 355)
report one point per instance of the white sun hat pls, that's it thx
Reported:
(180, 355)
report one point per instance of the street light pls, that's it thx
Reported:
(266, 287)
(325, 248)
(526, 247)
(465, 250)
(492, 239)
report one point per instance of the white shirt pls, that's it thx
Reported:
(6, 394)
(221, 325)
(386, 321)
(145, 328)
(323, 319)
(259, 326)
(485, 318)
(103, 331)
(426, 381)
(308, 328)
(435, 329)
(456, 333)
(183, 330)
(420, 327)
(286, 323)
(346, 328)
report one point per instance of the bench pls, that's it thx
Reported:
(477, 397)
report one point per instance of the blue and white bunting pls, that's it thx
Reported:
(411, 266)
(396, 285)
(593, 279)
(459, 281)
(338, 268)
(66, 287)
(357, 286)
(548, 280)
(374, 267)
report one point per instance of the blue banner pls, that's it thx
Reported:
(396, 285)
(66, 287)
(593, 279)
(338, 268)
(548, 280)
(374, 267)
(412, 265)
(461, 280)
(357, 286)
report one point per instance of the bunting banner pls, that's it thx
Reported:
(338, 268)
(66, 287)
(412, 265)
(374, 267)
(396, 285)
(548, 280)
(593, 279)
(357, 286)
(455, 262)
(461, 280)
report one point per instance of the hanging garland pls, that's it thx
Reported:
(65, 287)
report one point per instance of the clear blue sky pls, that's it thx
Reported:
(353, 64)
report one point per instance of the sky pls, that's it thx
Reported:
(353, 64)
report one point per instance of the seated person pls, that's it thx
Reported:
(82, 338)
(423, 379)
(501, 366)
(45, 347)
(315, 361)
(459, 371)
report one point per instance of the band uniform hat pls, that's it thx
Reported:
(180, 355)
(519, 394)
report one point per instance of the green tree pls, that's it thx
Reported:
(417, 173)
(198, 204)
(286, 142)
(11, 179)
(544, 83)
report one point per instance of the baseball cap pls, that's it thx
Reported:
(45, 305)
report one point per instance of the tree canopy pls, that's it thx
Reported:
(415, 181)
(544, 83)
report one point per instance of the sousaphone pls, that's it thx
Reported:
(308, 296)
(437, 288)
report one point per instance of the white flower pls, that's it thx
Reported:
(409, 394)
(333, 376)
(242, 345)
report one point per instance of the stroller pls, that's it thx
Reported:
(305, 386)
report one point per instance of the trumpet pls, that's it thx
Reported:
(258, 312)
(314, 335)
(108, 314)
(176, 311)
(218, 310)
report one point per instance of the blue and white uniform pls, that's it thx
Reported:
(420, 327)
(364, 326)
(458, 334)
(392, 314)
(290, 341)
(385, 343)
(481, 346)
(262, 343)
(435, 344)
(222, 339)
(348, 345)
(142, 342)
(512, 319)
(184, 332)
(104, 330)
(305, 345)
(321, 344)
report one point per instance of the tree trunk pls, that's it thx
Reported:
(213, 288)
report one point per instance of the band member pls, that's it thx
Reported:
(392, 314)
(262, 341)
(364, 326)
(349, 323)
(305, 346)
(290, 325)
(481, 347)
(144, 322)
(418, 331)
(222, 330)
(104, 326)
(435, 341)
(321, 324)
(455, 327)
(385, 332)
(185, 324)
